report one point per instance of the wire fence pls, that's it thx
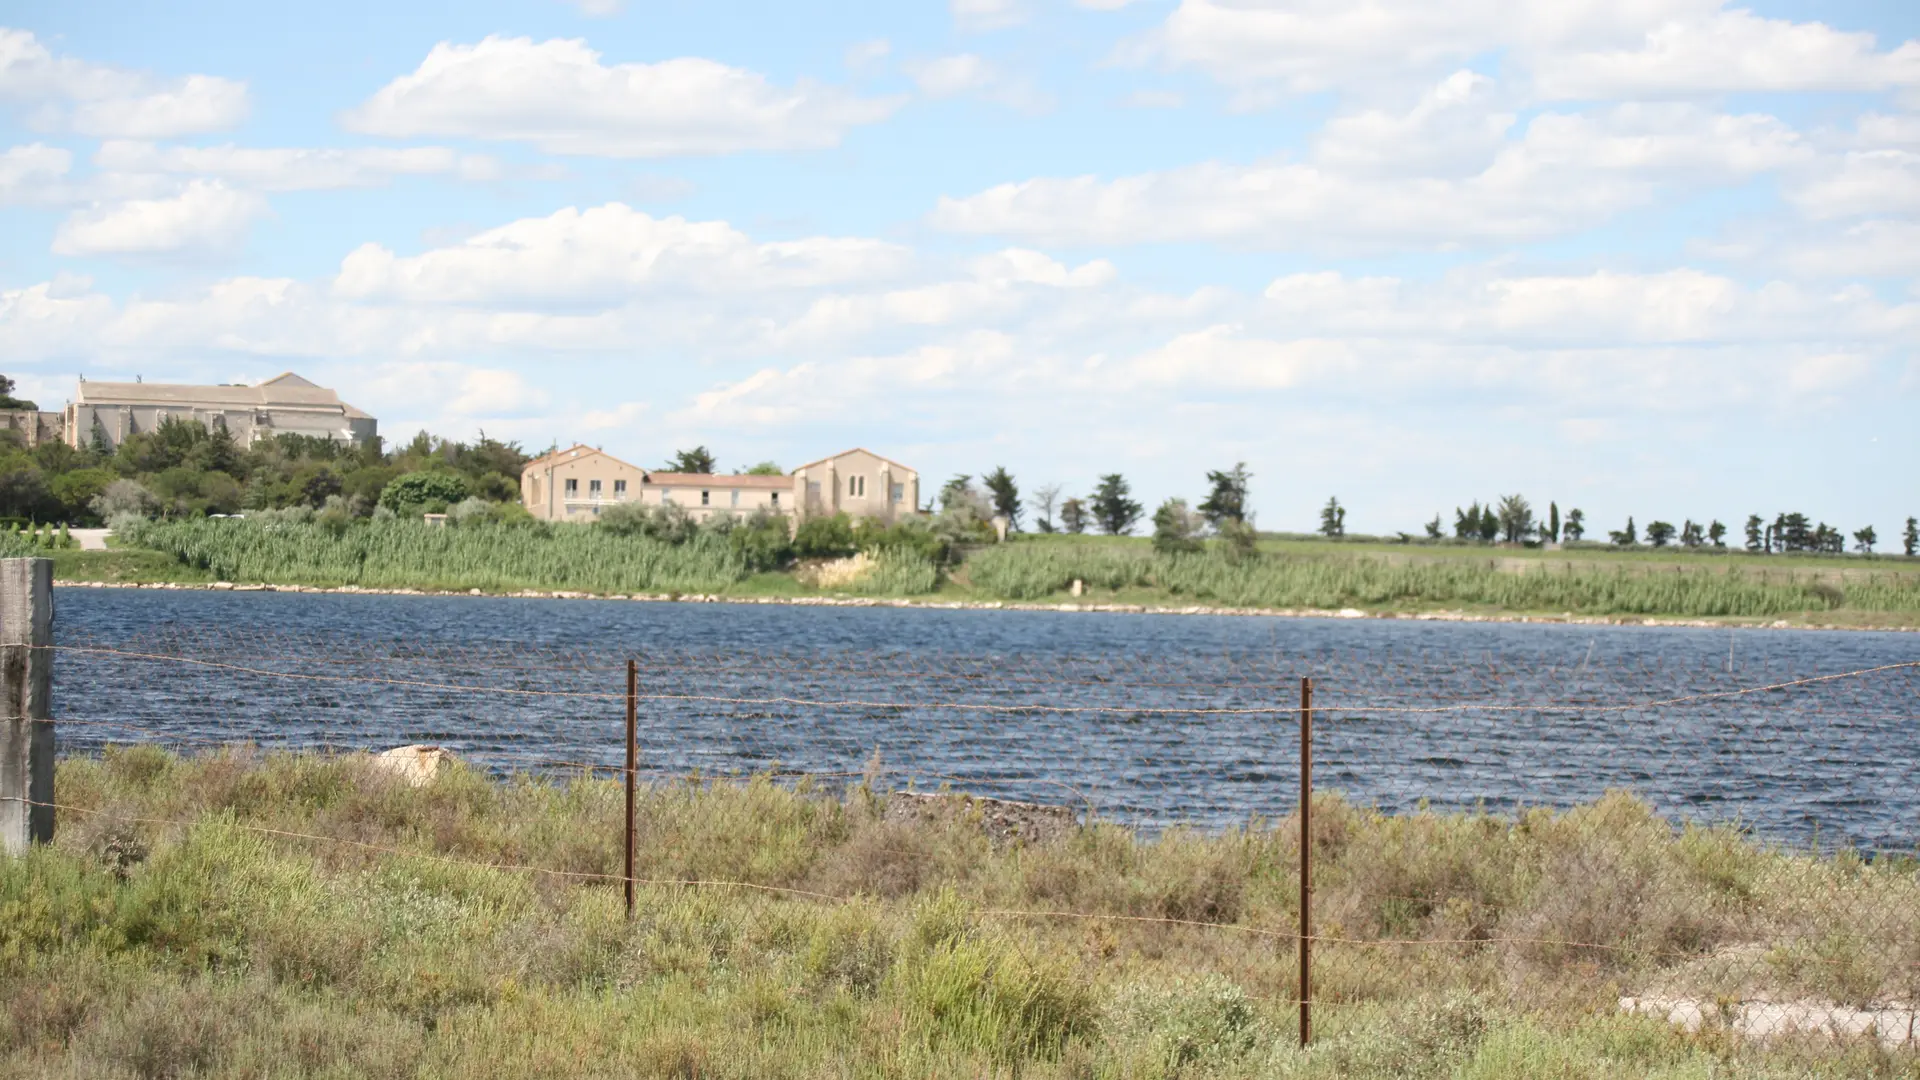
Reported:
(1728, 847)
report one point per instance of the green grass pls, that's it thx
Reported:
(1287, 573)
(169, 933)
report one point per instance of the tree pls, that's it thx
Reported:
(1793, 532)
(124, 497)
(1755, 533)
(1333, 520)
(11, 403)
(1466, 523)
(696, 460)
(416, 491)
(766, 468)
(1691, 535)
(1176, 529)
(1911, 537)
(1553, 522)
(1005, 495)
(1227, 499)
(1576, 526)
(1717, 534)
(1659, 533)
(1489, 524)
(1625, 537)
(1239, 539)
(1046, 497)
(1115, 513)
(1433, 528)
(1516, 518)
(1073, 516)
(1865, 539)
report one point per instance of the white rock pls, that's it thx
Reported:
(417, 764)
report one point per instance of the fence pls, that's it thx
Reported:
(1717, 843)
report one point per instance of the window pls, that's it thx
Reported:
(857, 486)
(706, 498)
(593, 488)
(736, 497)
(666, 496)
(776, 500)
(619, 488)
(899, 492)
(573, 487)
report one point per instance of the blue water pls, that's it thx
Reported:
(1496, 715)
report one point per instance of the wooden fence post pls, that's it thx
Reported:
(26, 732)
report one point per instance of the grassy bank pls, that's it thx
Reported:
(191, 926)
(1280, 575)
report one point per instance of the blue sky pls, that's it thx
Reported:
(1648, 257)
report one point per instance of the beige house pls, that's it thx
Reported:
(858, 483)
(703, 495)
(33, 428)
(284, 405)
(577, 483)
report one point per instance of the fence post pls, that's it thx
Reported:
(633, 765)
(1306, 860)
(26, 737)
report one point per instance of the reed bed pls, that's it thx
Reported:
(1037, 571)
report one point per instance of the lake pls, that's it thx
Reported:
(1150, 719)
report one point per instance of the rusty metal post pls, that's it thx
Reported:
(1306, 861)
(633, 765)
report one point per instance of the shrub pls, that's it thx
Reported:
(763, 541)
(825, 537)
(423, 492)
(123, 497)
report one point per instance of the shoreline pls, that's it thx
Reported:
(1567, 619)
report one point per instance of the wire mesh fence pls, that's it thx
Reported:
(1723, 846)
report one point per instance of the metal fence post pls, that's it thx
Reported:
(633, 765)
(1306, 860)
(26, 734)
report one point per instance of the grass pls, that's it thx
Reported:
(168, 933)
(1879, 592)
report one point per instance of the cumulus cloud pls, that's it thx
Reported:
(27, 172)
(970, 75)
(987, 14)
(559, 96)
(205, 215)
(1566, 172)
(604, 254)
(1583, 49)
(290, 169)
(61, 93)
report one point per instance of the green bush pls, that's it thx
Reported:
(825, 537)
(423, 492)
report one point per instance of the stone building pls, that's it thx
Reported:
(858, 483)
(284, 405)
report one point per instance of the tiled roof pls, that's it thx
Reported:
(288, 391)
(740, 481)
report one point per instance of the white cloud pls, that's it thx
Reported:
(51, 319)
(1592, 49)
(1154, 99)
(987, 14)
(1731, 51)
(1456, 127)
(576, 257)
(1565, 173)
(1881, 247)
(970, 75)
(27, 172)
(288, 169)
(559, 96)
(65, 94)
(867, 55)
(456, 389)
(1863, 183)
(206, 214)
(599, 8)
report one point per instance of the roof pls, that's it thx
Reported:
(720, 480)
(859, 450)
(283, 391)
(577, 450)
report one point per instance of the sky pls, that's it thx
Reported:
(1657, 258)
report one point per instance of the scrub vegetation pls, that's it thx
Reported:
(188, 921)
